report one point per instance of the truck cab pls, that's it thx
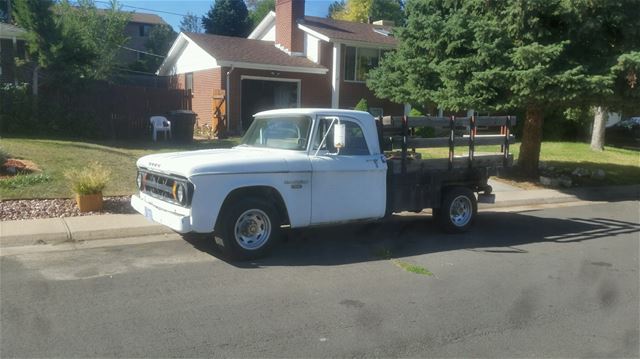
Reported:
(287, 165)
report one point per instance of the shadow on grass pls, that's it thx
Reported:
(406, 236)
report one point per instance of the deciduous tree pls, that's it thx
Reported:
(72, 41)
(190, 23)
(334, 8)
(260, 10)
(367, 10)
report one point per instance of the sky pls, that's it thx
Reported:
(173, 10)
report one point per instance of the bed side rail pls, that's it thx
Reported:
(398, 132)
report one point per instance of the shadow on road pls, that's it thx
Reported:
(411, 235)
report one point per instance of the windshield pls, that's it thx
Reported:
(283, 132)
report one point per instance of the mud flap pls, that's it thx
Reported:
(486, 198)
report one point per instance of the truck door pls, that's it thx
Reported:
(349, 183)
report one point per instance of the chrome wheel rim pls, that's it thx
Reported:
(252, 229)
(460, 211)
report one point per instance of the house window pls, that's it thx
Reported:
(188, 81)
(358, 61)
(143, 30)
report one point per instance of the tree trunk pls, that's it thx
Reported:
(599, 123)
(34, 81)
(531, 141)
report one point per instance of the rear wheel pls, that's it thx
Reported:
(248, 228)
(458, 210)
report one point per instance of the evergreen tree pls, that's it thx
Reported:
(228, 18)
(503, 56)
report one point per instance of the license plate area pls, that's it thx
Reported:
(148, 213)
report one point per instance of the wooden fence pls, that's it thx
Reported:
(120, 111)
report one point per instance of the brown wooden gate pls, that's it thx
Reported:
(219, 113)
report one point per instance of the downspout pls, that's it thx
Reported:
(228, 95)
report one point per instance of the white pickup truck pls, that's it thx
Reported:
(307, 167)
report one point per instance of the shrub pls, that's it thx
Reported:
(88, 180)
(424, 132)
(362, 105)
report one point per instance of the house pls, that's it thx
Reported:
(289, 60)
(12, 46)
(137, 30)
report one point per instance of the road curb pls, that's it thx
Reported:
(53, 231)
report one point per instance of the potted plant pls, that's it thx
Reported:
(87, 183)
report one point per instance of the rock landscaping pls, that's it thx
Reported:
(563, 177)
(58, 207)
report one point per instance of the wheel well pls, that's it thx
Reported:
(446, 187)
(265, 192)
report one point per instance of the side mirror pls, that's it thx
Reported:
(339, 135)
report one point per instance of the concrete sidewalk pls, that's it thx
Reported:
(109, 226)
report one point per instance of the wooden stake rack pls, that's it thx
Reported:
(398, 132)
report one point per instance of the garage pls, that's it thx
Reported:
(261, 94)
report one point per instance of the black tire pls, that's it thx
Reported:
(252, 216)
(458, 210)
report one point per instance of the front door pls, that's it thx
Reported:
(349, 183)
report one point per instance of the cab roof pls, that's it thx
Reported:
(312, 111)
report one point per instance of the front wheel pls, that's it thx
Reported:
(458, 210)
(249, 228)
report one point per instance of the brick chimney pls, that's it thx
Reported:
(288, 36)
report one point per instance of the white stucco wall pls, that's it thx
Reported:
(191, 59)
(311, 46)
(270, 34)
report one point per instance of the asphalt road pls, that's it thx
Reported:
(559, 282)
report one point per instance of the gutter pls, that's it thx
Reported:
(228, 98)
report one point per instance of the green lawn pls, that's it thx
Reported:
(54, 156)
(622, 166)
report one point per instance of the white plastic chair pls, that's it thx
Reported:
(160, 124)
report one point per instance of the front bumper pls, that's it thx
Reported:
(178, 222)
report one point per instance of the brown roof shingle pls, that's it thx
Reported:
(238, 49)
(142, 17)
(351, 31)
(145, 18)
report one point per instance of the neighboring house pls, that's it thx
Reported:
(137, 30)
(289, 60)
(12, 46)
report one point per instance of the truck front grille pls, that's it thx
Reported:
(165, 187)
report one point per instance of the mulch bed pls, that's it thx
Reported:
(58, 207)
(15, 166)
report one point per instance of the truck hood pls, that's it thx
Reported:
(217, 161)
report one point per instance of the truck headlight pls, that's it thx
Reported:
(181, 193)
(139, 180)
